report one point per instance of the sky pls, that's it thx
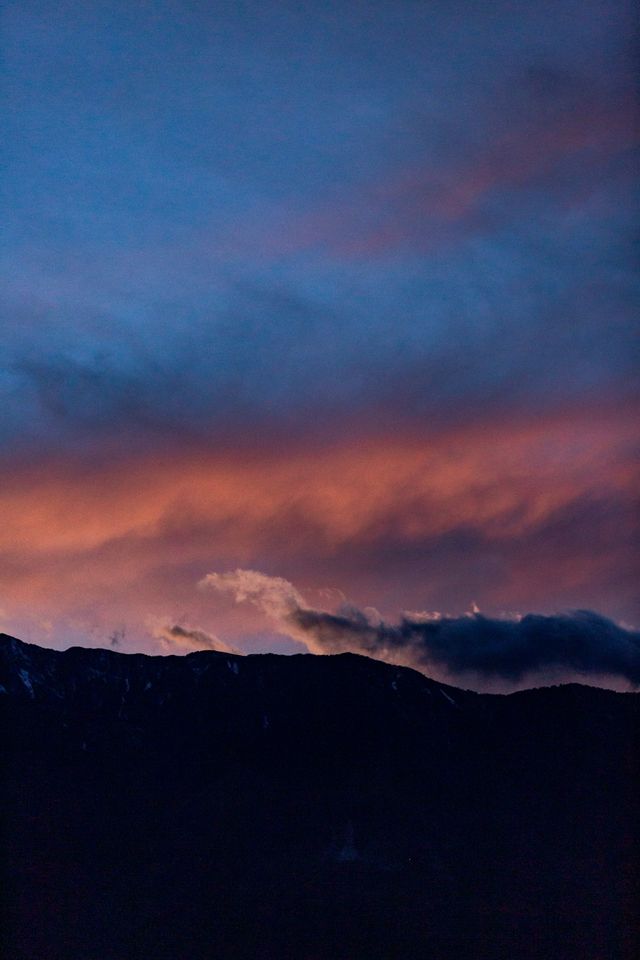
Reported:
(342, 294)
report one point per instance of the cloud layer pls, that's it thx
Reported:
(474, 649)
(514, 514)
(342, 292)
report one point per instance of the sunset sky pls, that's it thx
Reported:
(344, 293)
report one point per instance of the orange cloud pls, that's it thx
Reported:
(128, 540)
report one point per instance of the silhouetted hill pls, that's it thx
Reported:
(312, 808)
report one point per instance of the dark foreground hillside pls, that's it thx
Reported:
(312, 808)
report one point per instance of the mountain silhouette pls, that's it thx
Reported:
(218, 807)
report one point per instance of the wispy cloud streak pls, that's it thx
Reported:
(178, 638)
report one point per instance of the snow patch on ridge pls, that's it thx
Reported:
(26, 679)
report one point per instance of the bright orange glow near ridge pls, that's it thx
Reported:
(127, 542)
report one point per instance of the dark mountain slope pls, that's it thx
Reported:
(316, 808)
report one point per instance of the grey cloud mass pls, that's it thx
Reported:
(565, 646)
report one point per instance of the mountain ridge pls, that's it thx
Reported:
(7, 640)
(311, 807)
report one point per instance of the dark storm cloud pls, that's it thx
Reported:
(581, 643)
